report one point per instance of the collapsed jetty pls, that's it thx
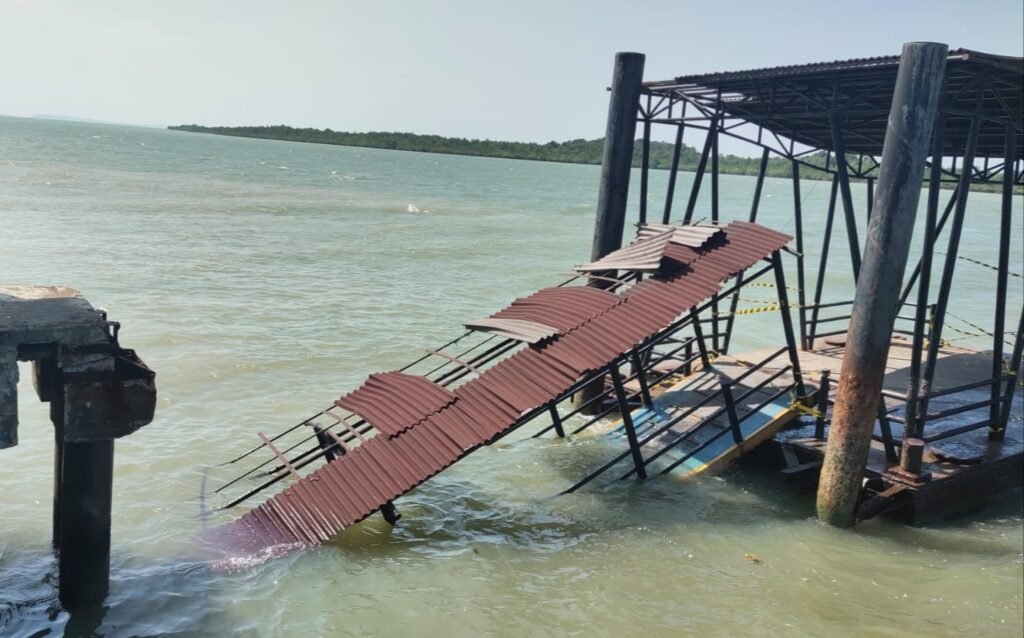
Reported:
(864, 397)
(921, 429)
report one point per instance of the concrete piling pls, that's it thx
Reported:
(8, 396)
(97, 392)
(915, 103)
(84, 535)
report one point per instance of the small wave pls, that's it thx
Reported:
(412, 209)
(247, 561)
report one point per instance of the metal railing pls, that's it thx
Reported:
(814, 321)
(886, 413)
(729, 408)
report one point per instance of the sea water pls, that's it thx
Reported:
(262, 279)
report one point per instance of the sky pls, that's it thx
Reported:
(525, 70)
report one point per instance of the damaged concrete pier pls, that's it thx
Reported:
(98, 392)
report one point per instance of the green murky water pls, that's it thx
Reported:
(262, 279)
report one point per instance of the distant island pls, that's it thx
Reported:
(578, 151)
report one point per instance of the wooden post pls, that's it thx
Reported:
(613, 192)
(907, 141)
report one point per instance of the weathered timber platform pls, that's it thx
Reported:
(690, 428)
(961, 472)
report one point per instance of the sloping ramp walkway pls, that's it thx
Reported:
(411, 427)
(710, 419)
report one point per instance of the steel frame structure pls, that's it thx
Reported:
(840, 109)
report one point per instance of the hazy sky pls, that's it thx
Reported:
(524, 70)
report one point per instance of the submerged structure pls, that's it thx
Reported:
(645, 330)
(97, 392)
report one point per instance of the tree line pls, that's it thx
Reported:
(577, 151)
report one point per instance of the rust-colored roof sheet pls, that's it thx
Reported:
(395, 401)
(644, 255)
(430, 427)
(518, 329)
(562, 308)
(745, 244)
(526, 380)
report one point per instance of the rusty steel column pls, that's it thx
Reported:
(907, 142)
(613, 193)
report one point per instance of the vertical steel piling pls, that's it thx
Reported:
(616, 164)
(908, 138)
(996, 431)
(617, 161)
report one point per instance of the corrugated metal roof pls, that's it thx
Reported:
(691, 235)
(830, 67)
(655, 243)
(562, 308)
(376, 402)
(643, 255)
(779, 71)
(429, 427)
(518, 329)
(795, 101)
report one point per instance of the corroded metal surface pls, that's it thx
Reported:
(518, 329)
(393, 402)
(644, 255)
(561, 308)
(796, 101)
(429, 427)
(693, 235)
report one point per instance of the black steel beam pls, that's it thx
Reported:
(627, 421)
(734, 303)
(996, 432)
(799, 231)
(924, 265)
(787, 324)
(671, 191)
(645, 158)
(698, 175)
(844, 189)
(823, 262)
(946, 283)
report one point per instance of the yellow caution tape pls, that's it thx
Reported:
(763, 284)
(989, 266)
(804, 409)
(751, 311)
